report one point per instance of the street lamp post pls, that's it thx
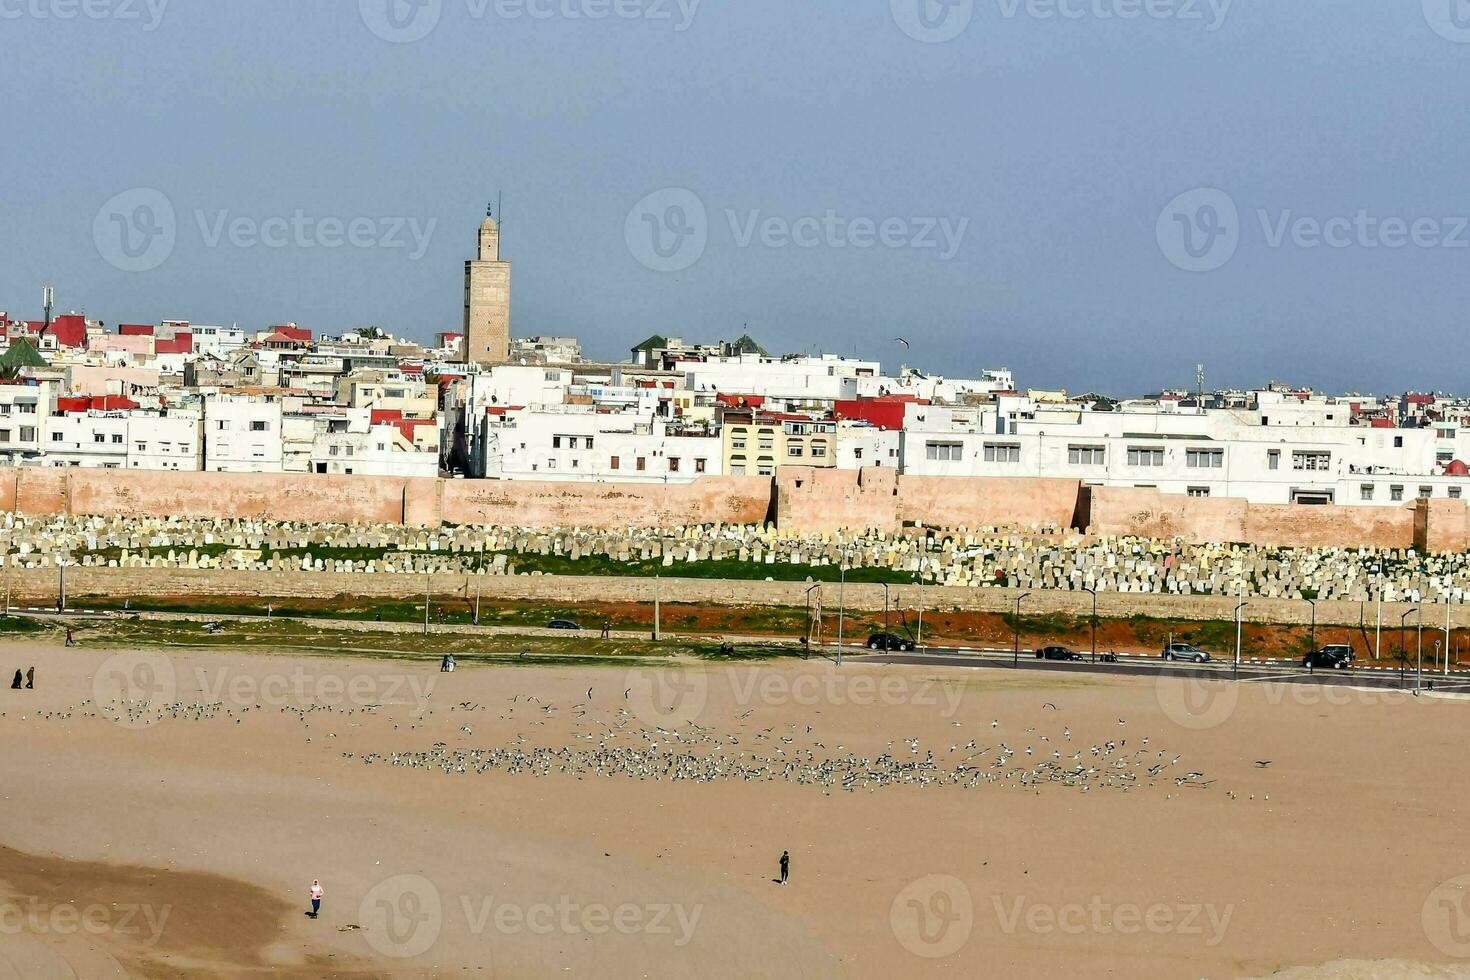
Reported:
(1419, 647)
(1238, 623)
(1016, 656)
(841, 600)
(1403, 649)
(885, 606)
(1447, 636)
(1094, 621)
(1312, 645)
(919, 640)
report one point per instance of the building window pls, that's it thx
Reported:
(1204, 459)
(944, 451)
(56, 437)
(738, 443)
(673, 464)
(766, 444)
(699, 465)
(1199, 491)
(1311, 460)
(1086, 455)
(117, 438)
(1002, 452)
(1398, 442)
(1366, 491)
(765, 469)
(260, 426)
(332, 451)
(98, 437)
(589, 443)
(27, 433)
(1426, 492)
(794, 450)
(819, 451)
(142, 447)
(4, 435)
(615, 463)
(1273, 459)
(1395, 493)
(1454, 493)
(642, 464)
(1145, 456)
(737, 469)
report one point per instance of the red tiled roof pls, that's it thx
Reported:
(293, 332)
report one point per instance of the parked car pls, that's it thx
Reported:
(562, 624)
(1186, 651)
(1057, 653)
(1334, 656)
(889, 641)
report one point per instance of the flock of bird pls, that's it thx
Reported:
(745, 751)
(749, 753)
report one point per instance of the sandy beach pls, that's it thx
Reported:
(166, 813)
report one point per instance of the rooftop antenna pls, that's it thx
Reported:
(48, 300)
(1199, 379)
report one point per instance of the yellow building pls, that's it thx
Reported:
(756, 443)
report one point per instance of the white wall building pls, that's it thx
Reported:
(577, 444)
(242, 434)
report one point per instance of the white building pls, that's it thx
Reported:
(799, 381)
(1278, 453)
(576, 444)
(357, 449)
(242, 434)
(24, 412)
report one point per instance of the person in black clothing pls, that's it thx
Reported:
(31, 679)
(785, 865)
(15, 684)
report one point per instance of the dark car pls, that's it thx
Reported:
(889, 641)
(1057, 653)
(562, 624)
(1185, 651)
(1334, 656)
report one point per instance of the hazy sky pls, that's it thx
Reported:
(994, 180)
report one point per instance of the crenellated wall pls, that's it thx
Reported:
(799, 499)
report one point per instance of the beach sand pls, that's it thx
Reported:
(179, 837)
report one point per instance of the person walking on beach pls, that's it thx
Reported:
(316, 898)
(69, 641)
(31, 679)
(785, 865)
(15, 684)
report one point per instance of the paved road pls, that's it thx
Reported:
(1280, 673)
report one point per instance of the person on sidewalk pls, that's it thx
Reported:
(316, 898)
